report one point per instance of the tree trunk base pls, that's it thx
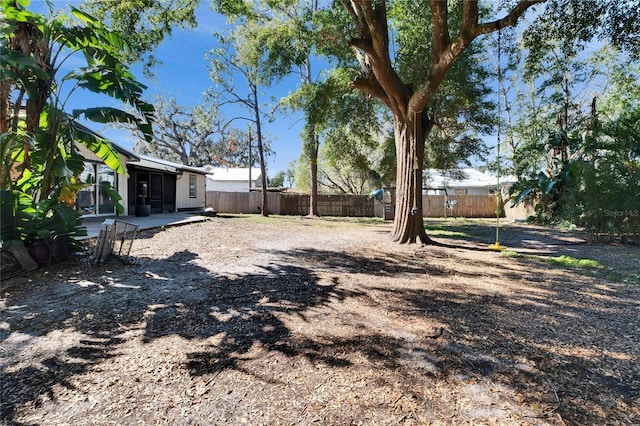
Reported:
(422, 239)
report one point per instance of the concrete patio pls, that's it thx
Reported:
(144, 222)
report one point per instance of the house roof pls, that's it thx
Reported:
(462, 178)
(145, 161)
(130, 155)
(237, 174)
(148, 162)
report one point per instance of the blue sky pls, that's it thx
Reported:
(184, 76)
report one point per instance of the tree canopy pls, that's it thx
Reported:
(145, 23)
(189, 136)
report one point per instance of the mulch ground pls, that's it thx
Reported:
(244, 320)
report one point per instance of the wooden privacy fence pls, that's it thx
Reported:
(459, 205)
(346, 205)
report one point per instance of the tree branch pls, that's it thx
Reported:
(350, 10)
(508, 21)
(363, 44)
(439, 26)
(469, 16)
(444, 57)
(371, 87)
(379, 80)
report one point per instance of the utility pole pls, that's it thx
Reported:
(250, 159)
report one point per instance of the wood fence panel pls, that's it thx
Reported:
(345, 205)
(228, 202)
(465, 206)
(433, 205)
(294, 204)
(474, 205)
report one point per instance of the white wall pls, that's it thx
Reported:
(183, 200)
(229, 185)
(475, 191)
(452, 191)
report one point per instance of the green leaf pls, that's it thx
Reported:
(16, 210)
(85, 17)
(105, 115)
(549, 186)
(101, 147)
(16, 59)
(114, 196)
(522, 195)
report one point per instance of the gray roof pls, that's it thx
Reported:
(145, 161)
(148, 162)
(115, 146)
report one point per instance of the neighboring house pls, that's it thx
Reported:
(152, 185)
(466, 181)
(237, 179)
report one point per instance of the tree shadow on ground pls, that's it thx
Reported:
(172, 297)
(544, 241)
(565, 345)
(548, 346)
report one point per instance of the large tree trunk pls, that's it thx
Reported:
(408, 224)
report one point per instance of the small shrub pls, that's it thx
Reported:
(572, 262)
(511, 254)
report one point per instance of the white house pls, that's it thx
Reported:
(465, 181)
(237, 179)
(170, 186)
(151, 185)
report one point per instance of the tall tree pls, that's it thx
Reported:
(188, 135)
(408, 100)
(582, 165)
(562, 90)
(236, 148)
(238, 54)
(370, 38)
(352, 132)
(292, 36)
(348, 165)
(278, 180)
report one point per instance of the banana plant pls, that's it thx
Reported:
(34, 49)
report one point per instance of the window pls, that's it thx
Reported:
(192, 186)
(460, 192)
(93, 199)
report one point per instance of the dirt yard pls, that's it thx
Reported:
(244, 320)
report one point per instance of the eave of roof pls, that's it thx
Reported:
(130, 155)
(153, 163)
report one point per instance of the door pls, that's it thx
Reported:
(169, 193)
(93, 199)
(155, 192)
